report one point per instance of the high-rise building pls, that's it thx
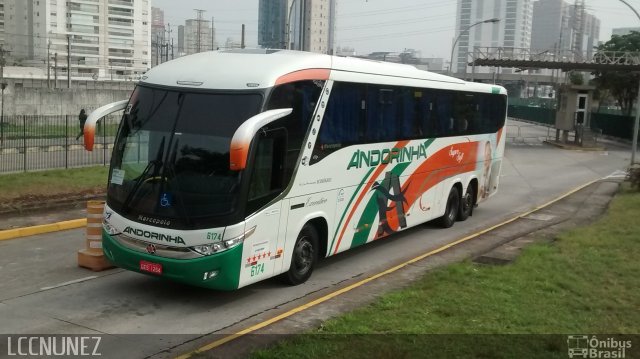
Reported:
(158, 37)
(157, 16)
(272, 22)
(197, 36)
(513, 29)
(309, 26)
(551, 28)
(562, 27)
(105, 37)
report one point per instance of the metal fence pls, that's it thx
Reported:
(32, 143)
(605, 124)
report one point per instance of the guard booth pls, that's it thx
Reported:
(573, 114)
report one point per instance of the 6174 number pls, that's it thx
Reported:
(257, 269)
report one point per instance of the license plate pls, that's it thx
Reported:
(151, 267)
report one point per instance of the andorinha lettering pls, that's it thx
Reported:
(154, 235)
(387, 156)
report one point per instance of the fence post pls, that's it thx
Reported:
(66, 141)
(24, 142)
(104, 142)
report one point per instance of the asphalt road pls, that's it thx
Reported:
(43, 291)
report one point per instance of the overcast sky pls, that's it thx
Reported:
(374, 25)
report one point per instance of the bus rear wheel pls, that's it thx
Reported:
(451, 212)
(304, 256)
(466, 205)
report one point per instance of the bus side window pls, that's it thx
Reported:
(342, 124)
(406, 109)
(268, 175)
(443, 111)
(302, 97)
(381, 115)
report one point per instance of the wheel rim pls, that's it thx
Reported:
(303, 256)
(453, 209)
(467, 202)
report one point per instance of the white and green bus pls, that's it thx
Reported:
(230, 167)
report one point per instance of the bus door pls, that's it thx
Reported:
(266, 183)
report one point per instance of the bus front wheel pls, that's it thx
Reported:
(304, 256)
(451, 212)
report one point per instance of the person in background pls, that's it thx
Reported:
(82, 118)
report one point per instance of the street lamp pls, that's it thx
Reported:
(636, 124)
(289, 24)
(453, 48)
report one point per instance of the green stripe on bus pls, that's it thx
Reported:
(370, 212)
(364, 180)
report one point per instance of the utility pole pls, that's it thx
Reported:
(49, 64)
(166, 55)
(157, 50)
(242, 38)
(636, 124)
(68, 61)
(3, 62)
(198, 38)
(55, 70)
(213, 35)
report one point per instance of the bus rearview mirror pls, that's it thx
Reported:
(89, 129)
(239, 149)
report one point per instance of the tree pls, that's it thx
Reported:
(623, 86)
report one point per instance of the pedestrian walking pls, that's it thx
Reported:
(82, 118)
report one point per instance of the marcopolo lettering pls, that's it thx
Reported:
(387, 156)
(154, 235)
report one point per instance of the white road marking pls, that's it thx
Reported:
(617, 175)
(69, 282)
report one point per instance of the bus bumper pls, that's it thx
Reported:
(195, 272)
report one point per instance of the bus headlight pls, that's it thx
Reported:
(209, 249)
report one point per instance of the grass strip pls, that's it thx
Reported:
(52, 183)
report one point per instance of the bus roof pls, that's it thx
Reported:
(261, 68)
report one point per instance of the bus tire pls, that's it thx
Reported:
(465, 210)
(451, 212)
(304, 256)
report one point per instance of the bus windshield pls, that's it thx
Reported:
(170, 164)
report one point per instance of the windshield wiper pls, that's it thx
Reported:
(156, 164)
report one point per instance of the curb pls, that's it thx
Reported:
(571, 147)
(41, 229)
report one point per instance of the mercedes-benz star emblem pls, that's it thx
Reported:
(151, 248)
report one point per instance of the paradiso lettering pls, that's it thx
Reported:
(154, 235)
(387, 156)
